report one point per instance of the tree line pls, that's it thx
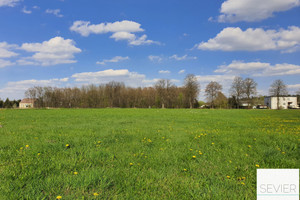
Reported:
(163, 94)
(9, 103)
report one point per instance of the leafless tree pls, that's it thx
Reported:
(249, 89)
(211, 91)
(277, 89)
(237, 89)
(160, 87)
(163, 88)
(31, 93)
(192, 88)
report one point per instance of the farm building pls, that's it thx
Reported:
(27, 103)
(284, 102)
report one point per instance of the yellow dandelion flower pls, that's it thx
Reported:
(243, 178)
(200, 153)
(185, 170)
(228, 177)
(130, 164)
(256, 165)
(212, 143)
(26, 145)
(191, 149)
(249, 146)
(99, 142)
(96, 194)
(58, 197)
(39, 154)
(194, 156)
(67, 145)
(242, 183)
(21, 148)
(75, 173)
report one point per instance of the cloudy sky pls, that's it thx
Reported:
(71, 43)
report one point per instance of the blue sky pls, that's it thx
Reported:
(72, 43)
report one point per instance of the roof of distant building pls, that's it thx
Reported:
(27, 100)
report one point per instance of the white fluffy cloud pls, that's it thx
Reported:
(181, 71)
(219, 78)
(55, 51)
(137, 41)
(235, 39)
(132, 79)
(280, 70)
(16, 90)
(85, 28)
(164, 72)
(239, 67)
(122, 30)
(55, 12)
(294, 89)
(123, 36)
(296, 86)
(132, 39)
(155, 58)
(5, 51)
(185, 57)
(24, 10)
(5, 63)
(10, 3)
(253, 10)
(113, 60)
(259, 69)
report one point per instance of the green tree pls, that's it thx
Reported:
(7, 103)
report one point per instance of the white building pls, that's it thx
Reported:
(27, 103)
(284, 102)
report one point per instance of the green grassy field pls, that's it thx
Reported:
(142, 153)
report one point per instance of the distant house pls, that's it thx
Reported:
(27, 103)
(284, 102)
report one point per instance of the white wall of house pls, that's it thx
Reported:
(284, 102)
(26, 105)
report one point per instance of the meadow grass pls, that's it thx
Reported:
(142, 153)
